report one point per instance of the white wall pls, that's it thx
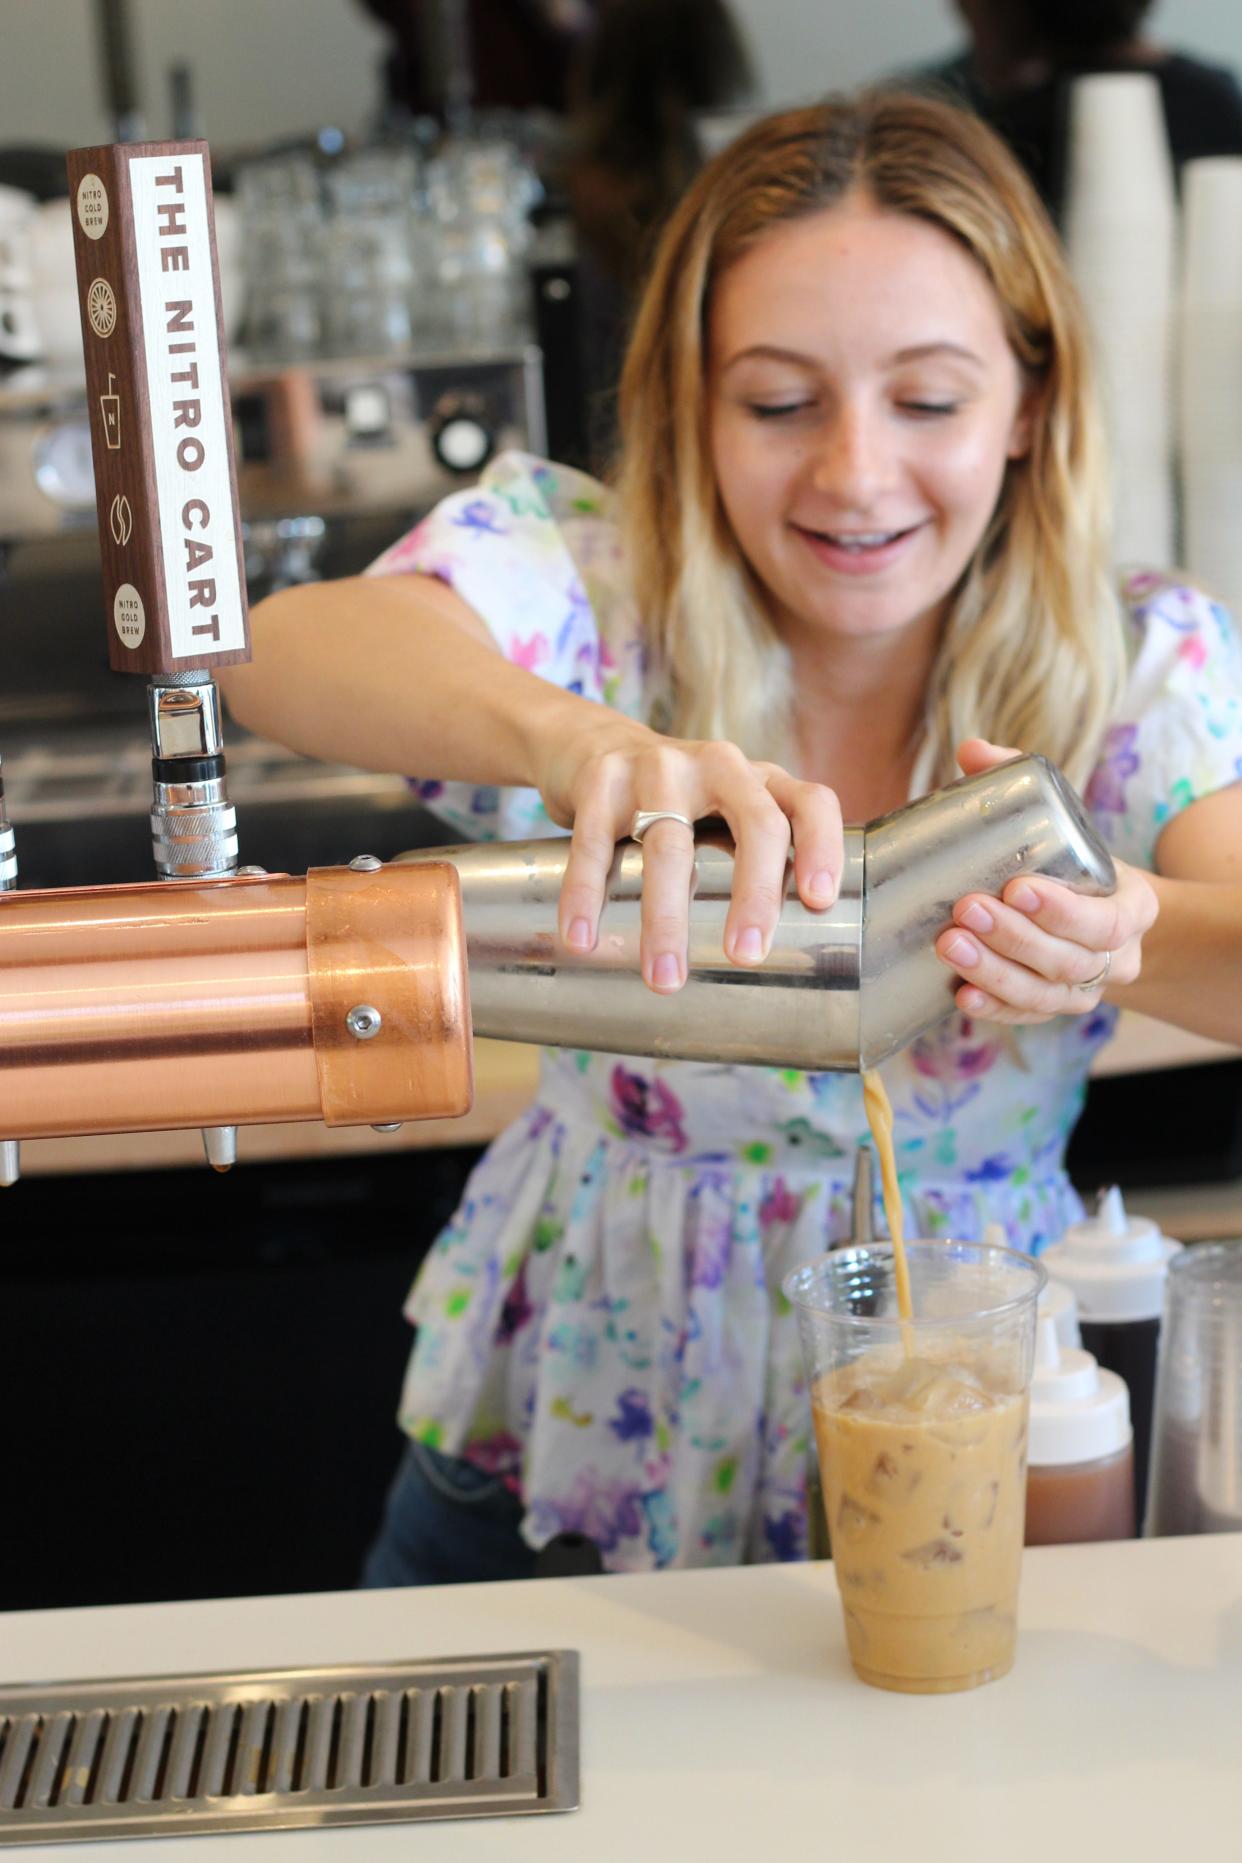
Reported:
(262, 68)
(804, 47)
(267, 68)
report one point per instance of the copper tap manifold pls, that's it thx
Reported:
(230, 1001)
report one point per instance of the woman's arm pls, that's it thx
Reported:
(396, 673)
(399, 673)
(1192, 960)
(1192, 956)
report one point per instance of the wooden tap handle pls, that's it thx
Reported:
(157, 393)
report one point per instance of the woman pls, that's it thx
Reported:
(860, 517)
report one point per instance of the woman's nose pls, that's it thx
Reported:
(852, 461)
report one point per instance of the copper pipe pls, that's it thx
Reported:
(190, 1003)
(374, 940)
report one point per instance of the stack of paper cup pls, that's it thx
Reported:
(1121, 237)
(1210, 376)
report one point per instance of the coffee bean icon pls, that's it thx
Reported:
(121, 518)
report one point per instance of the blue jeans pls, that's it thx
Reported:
(446, 1523)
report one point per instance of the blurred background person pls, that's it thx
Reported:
(643, 79)
(1024, 55)
(519, 52)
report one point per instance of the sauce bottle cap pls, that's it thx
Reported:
(1079, 1413)
(1114, 1262)
(1059, 1300)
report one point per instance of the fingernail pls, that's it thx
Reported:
(1025, 898)
(977, 917)
(580, 935)
(749, 943)
(666, 971)
(823, 884)
(962, 950)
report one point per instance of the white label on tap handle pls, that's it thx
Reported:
(186, 388)
(129, 615)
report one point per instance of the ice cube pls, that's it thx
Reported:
(853, 1518)
(933, 1553)
(935, 1390)
(884, 1472)
(891, 1480)
(954, 1397)
(909, 1386)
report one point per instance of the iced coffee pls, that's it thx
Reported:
(923, 1470)
(921, 1428)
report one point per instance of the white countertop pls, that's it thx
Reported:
(721, 1721)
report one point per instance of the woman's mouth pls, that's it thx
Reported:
(858, 552)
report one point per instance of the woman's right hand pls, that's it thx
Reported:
(594, 781)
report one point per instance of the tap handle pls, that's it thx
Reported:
(157, 396)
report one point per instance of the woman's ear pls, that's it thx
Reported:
(1023, 423)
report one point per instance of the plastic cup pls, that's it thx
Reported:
(1196, 1482)
(921, 1431)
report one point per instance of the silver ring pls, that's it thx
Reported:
(647, 818)
(1101, 976)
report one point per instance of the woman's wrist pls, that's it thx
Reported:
(559, 733)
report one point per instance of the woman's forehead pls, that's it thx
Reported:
(855, 270)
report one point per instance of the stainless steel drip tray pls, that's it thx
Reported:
(481, 1736)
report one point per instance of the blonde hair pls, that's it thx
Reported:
(1033, 648)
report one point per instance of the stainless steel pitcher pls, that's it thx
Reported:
(839, 989)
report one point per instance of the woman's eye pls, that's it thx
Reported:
(768, 410)
(928, 408)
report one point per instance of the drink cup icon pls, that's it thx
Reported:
(110, 406)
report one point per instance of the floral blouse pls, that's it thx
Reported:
(601, 1323)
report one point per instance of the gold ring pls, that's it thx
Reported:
(1101, 976)
(647, 818)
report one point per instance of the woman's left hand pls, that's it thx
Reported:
(1041, 950)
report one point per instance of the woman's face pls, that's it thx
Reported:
(864, 401)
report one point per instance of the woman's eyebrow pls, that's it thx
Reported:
(773, 353)
(914, 352)
(917, 351)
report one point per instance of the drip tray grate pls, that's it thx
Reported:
(276, 1749)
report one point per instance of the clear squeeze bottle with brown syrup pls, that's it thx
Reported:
(1080, 1453)
(1117, 1264)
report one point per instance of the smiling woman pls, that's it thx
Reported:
(858, 468)
(860, 515)
(922, 368)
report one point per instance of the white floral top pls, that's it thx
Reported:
(601, 1323)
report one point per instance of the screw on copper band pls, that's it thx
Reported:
(397, 932)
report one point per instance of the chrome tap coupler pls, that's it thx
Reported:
(193, 823)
